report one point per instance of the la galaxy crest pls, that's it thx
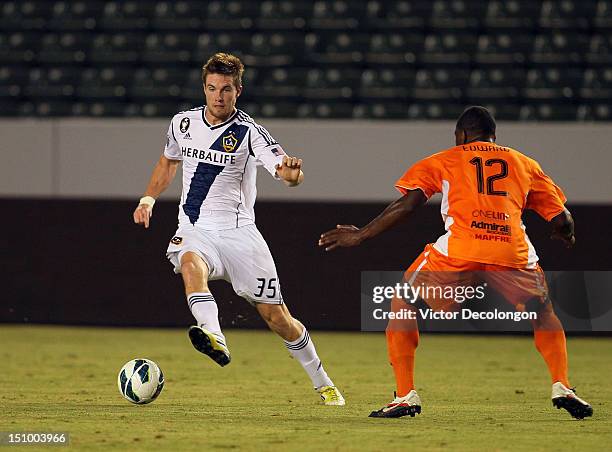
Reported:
(184, 124)
(229, 141)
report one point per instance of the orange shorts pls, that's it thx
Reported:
(525, 289)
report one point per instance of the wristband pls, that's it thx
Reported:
(147, 200)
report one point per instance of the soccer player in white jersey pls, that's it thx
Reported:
(220, 148)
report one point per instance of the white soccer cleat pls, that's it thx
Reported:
(210, 344)
(331, 396)
(563, 397)
(409, 405)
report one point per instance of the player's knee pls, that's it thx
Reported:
(188, 267)
(538, 305)
(195, 274)
(193, 264)
(277, 319)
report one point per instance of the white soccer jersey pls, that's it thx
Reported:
(219, 167)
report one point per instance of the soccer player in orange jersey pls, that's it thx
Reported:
(485, 188)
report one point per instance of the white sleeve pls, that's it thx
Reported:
(172, 150)
(268, 153)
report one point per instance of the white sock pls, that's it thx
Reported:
(304, 351)
(204, 309)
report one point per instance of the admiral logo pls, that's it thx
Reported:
(230, 141)
(176, 240)
(184, 125)
(492, 228)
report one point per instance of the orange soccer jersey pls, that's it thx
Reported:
(485, 188)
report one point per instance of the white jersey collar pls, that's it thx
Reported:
(216, 126)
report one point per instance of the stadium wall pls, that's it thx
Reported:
(84, 262)
(72, 254)
(349, 161)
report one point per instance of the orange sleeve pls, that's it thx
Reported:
(544, 197)
(425, 174)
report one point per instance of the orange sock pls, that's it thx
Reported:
(552, 347)
(401, 346)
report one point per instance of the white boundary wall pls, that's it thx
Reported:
(343, 160)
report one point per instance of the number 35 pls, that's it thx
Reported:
(270, 288)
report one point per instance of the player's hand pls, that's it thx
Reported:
(563, 228)
(142, 214)
(343, 236)
(290, 169)
(568, 240)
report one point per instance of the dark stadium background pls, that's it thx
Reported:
(88, 87)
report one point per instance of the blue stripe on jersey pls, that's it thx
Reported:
(203, 177)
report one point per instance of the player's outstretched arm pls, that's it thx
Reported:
(563, 228)
(290, 171)
(162, 176)
(396, 212)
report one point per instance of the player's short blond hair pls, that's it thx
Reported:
(226, 64)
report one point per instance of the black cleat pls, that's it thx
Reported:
(566, 398)
(576, 409)
(409, 405)
(210, 344)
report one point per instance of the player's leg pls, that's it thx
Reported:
(206, 336)
(302, 349)
(279, 320)
(403, 335)
(527, 291)
(436, 271)
(253, 275)
(402, 341)
(549, 339)
(196, 258)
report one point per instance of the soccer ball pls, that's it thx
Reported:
(140, 381)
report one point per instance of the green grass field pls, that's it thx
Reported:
(479, 393)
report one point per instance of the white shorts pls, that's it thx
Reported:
(240, 256)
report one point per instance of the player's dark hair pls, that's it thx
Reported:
(226, 64)
(477, 120)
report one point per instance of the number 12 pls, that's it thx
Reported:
(477, 162)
